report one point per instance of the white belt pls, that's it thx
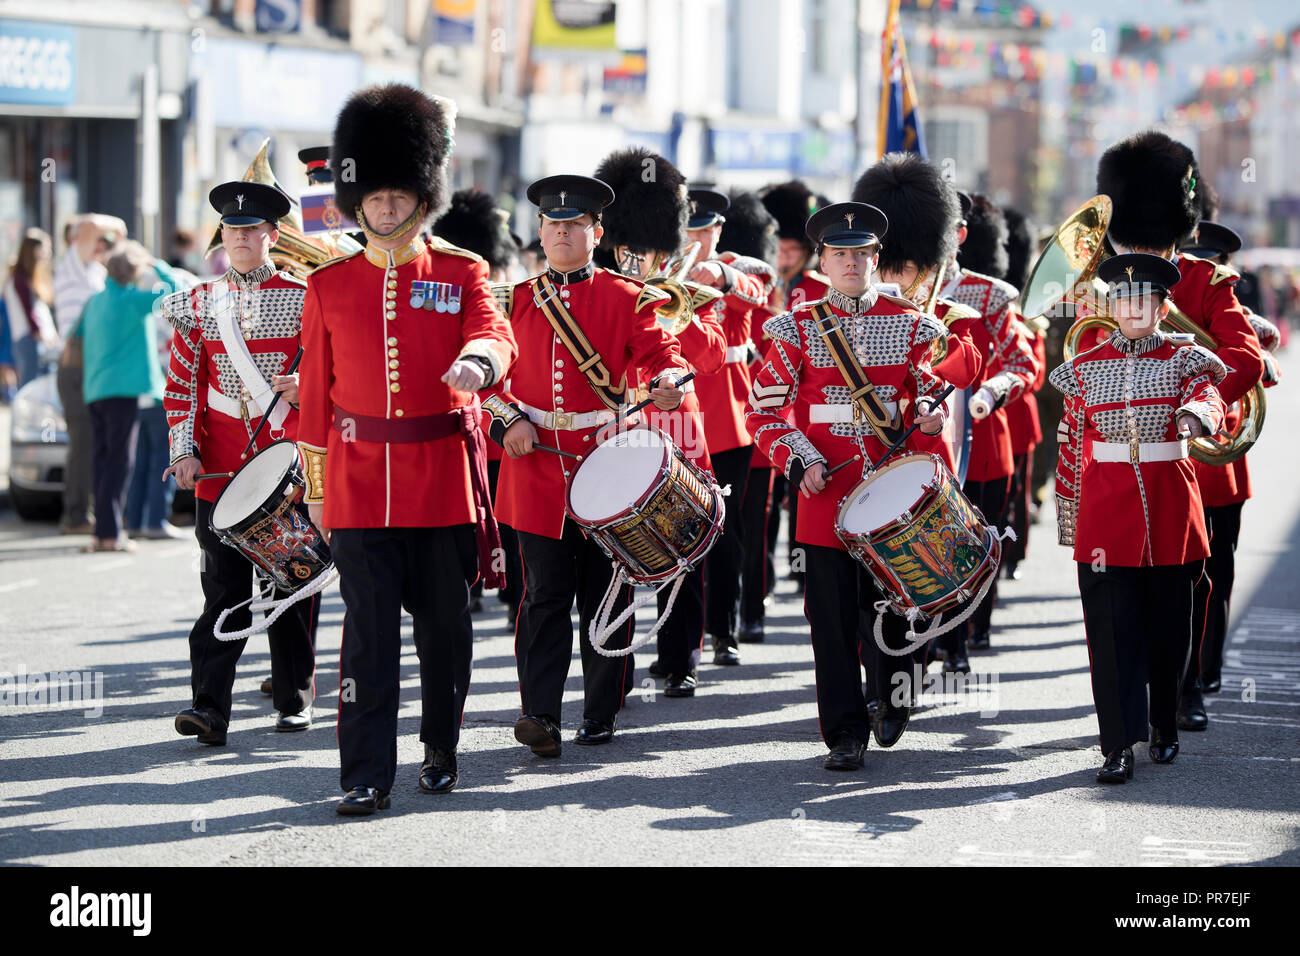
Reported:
(836, 414)
(566, 421)
(737, 353)
(1146, 451)
(228, 406)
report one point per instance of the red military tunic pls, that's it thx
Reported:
(617, 316)
(1123, 513)
(724, 396)
(371, 353)
(969, 345)
(704, 347)
(1205, 295)
(203, 387)
(1022, 416)
(1009, 371)
(892, 341)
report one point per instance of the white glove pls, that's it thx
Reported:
(464, 376)
(981, 404)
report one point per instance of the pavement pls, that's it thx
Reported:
(1003, 776)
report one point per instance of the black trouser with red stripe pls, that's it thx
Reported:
(513, 592)
(428, 572)
(757, 568)
(991, 499)
(556, 572)
(682, 635)
(227, 580)
(1013, 552)
(724, 562)
(1213, 598)
(839, 590)
(1138, 623)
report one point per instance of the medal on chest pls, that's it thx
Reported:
(435, 296)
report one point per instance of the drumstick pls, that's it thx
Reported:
(902, 438)
(252, 442)
(843, 464)
(215, 474)
(556, 451)
(640, 405)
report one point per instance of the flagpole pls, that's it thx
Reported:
(886, 60)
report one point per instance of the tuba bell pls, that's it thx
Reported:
(293, 252)
(1066, 273)
(684, 298)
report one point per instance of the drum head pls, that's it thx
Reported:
(887, 494)
(253, 484)
(613, 478)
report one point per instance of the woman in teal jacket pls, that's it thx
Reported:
(121, 372)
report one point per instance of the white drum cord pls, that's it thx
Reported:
(937, 627)
(277, 606)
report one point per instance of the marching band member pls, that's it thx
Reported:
(582, 332)
(1128, 503)
(1154, 186)
(234, 338)
(1009, 370)
(820, 353)
(645, 226)
(746, 283)
(474, 222)
(397, 339)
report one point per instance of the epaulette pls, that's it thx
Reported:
(1180, 339)
(702, 295)
(442, 245)
(1064, 379)
(783, 328)
(504, 293)
(1222, 272)
(649, 295)
(176, 309)
(335, 261)
(957, 310)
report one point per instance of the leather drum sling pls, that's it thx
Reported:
(575, 340)
(867, 404)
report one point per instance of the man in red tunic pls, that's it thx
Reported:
(891, 342)
(235, 337)
(558, 399)
(398, 338)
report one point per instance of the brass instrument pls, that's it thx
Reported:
(684, 298)
(293, 252)
(1066, 272)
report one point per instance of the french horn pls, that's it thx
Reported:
(1066, 273)
(293, 252)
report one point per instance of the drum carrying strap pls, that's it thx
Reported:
(575, 340)
(259, 389)
(867, 404)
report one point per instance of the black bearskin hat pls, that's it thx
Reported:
(391, 137)
(985, 248)
(647, 216)
(1153, 184)
(922, 209)
(750, 230)
(1020, 247)
(790, 204)
(473, 222)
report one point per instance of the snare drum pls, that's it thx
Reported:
(646, 504)
(924, 543)
(257, 514)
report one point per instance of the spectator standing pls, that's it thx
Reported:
(28, 292)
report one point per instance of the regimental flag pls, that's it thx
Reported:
(899, 129)
(320, 215)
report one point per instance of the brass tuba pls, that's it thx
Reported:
(293, 252)
(1066, 272)
(684, 298)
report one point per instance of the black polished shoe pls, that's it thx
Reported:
(956, 662)
(362, 802)
(726, 655)
(266, 687)
(846, 754)
(1191, 711)
(1117, 768)
(438, 772)
(541, 733)
(657, 669)
(679, 685)
(888, 723)
(291, 723)
(594, 732)
(204, 723)
(750, 632)
(1211, 685)
(1162, 749)
(979, 642)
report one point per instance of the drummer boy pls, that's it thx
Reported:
(235, 336)
(855, 341)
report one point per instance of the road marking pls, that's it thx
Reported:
(972, 855)
(1162, 851)
(18, 585)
